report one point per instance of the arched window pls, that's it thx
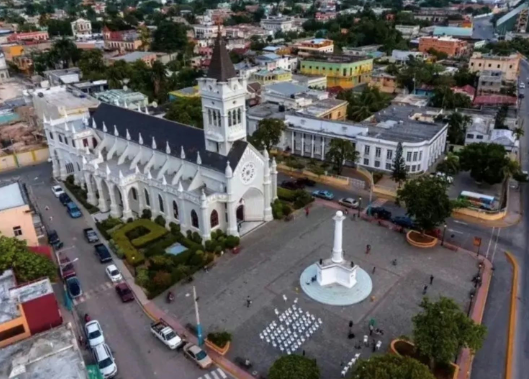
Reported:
(160, 203)
(215, 118)
(147, 199)
(175, 210)
(239, 116)
(134, 193)
(214, 218)
(234, 117)
(194, 219)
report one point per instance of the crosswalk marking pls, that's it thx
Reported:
(215, 374)
(222, 374)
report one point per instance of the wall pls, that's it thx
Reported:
(19, 216)
(28, 158)
(19, 321)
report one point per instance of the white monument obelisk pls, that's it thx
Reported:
(337, 270)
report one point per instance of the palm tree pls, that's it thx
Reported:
(158, 76)
(362, 106)
(340, 151)
(457, 127)
(450, 165)
(518, 133)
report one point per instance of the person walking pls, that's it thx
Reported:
(370, 329)
(46, 208)
(248, 302)
(374, 268)
(424, 290)
(368, 249)
(431, 279)
(307, 211)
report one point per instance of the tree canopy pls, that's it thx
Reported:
(450, 165)
(441, 329)
(268, 133)
(169, 37)
(27, 265)
(487, 162)
(341, 151)
(399, 172)
(457, 128)
(391, 366)
(426, 201)
(294, 367)
(444, 97)
(365, 104)
(186, 111)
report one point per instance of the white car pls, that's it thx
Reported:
(522, 85)
(94, 333)
(57, 190)
(349, 202)
(105, 361)
(113, 273)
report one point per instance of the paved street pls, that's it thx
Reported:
(126, 327)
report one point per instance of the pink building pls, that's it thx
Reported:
(29, 37)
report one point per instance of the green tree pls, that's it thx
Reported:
(450, 165)
(341, 151)
(59, 28)
(92, 65)
(169, 37)
(518, 132)
(465, 77)
(28, 266)
(501, 115)
(391, 366)
(399, 172)
(363, 105)
(441, 329)
(294, 367)
(116, 73)
(457, 128)
(487, 162)
(186, 111)
(426, 201)
(159, 78)
(268, 133)
(444, 97)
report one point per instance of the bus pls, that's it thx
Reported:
(478, 200)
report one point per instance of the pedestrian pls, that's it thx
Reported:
(374, 268)
(424, 290)
(303, 352)
(394, 262)
(51, 218)
(431, 279)
(248, 302)
(370, 329)
(368, 249)
(351, 323)
(307, 211)
(47, 208)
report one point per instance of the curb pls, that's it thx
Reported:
(512, 316)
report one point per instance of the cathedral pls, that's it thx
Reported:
(203, 179)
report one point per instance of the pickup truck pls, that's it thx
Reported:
(197, 355)
(102, 253)
(166, 334)
(90, 235)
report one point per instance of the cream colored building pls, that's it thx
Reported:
(316, 46)
(15, 214)
(509, 65)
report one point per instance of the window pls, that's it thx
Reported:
(239, 116)
(51, 135)
(479, 65)
(73, 143)
(470, 135)
(66, 140)
(85, 142)
(366, 162)
(490, 65)
(17, 231)
(510, 66)
(147, 199)
(229, 118)
(366, 149)
(160, 203)
(413, 168)
(134, 193)
(377, 163)
(479, 137)
(472, 63)
(389, 154)
(175, 210)
(378, 151)
(419, 167)
(214, 218)
(420, 155)
(194, 219)
(407, 168)
(210, 119)
(408, 156)
(60, 138)
(498, 66)
(389, 166)
(415, 154)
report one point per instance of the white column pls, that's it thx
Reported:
(91, 196)
(337, 252)
(274, 179)
(205, 226)
(102, 205)
(322, 148)
(127, 212)
(62, 170)
(302, 144)
(114, 206)
(56, 167)
(312, 146)
(267, 190)
(182, 212)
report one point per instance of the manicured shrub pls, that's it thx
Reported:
(232, 241)
(286, 194)
(129, 246)
(129, 220)
(196, 237)
(146, 213)
(286, 209)
(137, 232)
(175, 228)
(218, 249)
(142, 276)
(219, 339)
(303, 198)
(160, 220)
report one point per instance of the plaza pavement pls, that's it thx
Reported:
(269, 266)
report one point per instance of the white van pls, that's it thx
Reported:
(105, 360)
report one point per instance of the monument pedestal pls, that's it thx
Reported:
(343, 273)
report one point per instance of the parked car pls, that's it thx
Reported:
(113, 273)
(306, 182)
(74, 287)
(73, 210)
(94, 333)
(124, 292)
(197, 355)
(57, 191)
(64, 198)
(522, 85)
(166, 334)
(105, 361)
(349, 202)
(291, 185)
(327, 195)
(102, 253)
(90, 235)
(380, 212)
(66, 268)
(53, 239)
(403, 221)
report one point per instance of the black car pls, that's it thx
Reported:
(64, 198)
(54, 240)
(306, 182)
(102, 253)
(74, 287)
(292, 185)
(380, 212)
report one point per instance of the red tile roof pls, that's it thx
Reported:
(495, 100)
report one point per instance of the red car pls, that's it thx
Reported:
(124, 292)
(66, 268)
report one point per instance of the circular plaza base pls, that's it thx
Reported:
(336, 294)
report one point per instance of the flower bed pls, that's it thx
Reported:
(423, 241)
(219, 342)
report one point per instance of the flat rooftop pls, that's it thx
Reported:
(53, 354)
(132, 57)
(337, 58)
(31, 291)
(266, 110)
(8, 308)
(12, 196)
(322, 106)
(62, 98)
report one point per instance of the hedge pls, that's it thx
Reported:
(286, 194)
(299, 198)
(80, 194)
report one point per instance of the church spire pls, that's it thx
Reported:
(221, 66)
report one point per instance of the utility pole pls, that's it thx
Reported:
(199, 327)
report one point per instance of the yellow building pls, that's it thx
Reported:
(11, 51)
(16, 215)
(184, 93)
(272, 76)
(384, 82)
(341, 71)
(509, 65)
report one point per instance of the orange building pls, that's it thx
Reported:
(12, 51)
(453, 47)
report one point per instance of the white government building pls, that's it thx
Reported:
(203, 180)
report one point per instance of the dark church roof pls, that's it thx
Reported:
(178, 135)
(221, 66)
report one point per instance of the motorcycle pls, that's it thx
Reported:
(170, 297)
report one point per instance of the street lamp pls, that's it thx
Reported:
(444, 232)
(200, 336)
(133, 267)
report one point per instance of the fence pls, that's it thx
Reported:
(26, 158)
